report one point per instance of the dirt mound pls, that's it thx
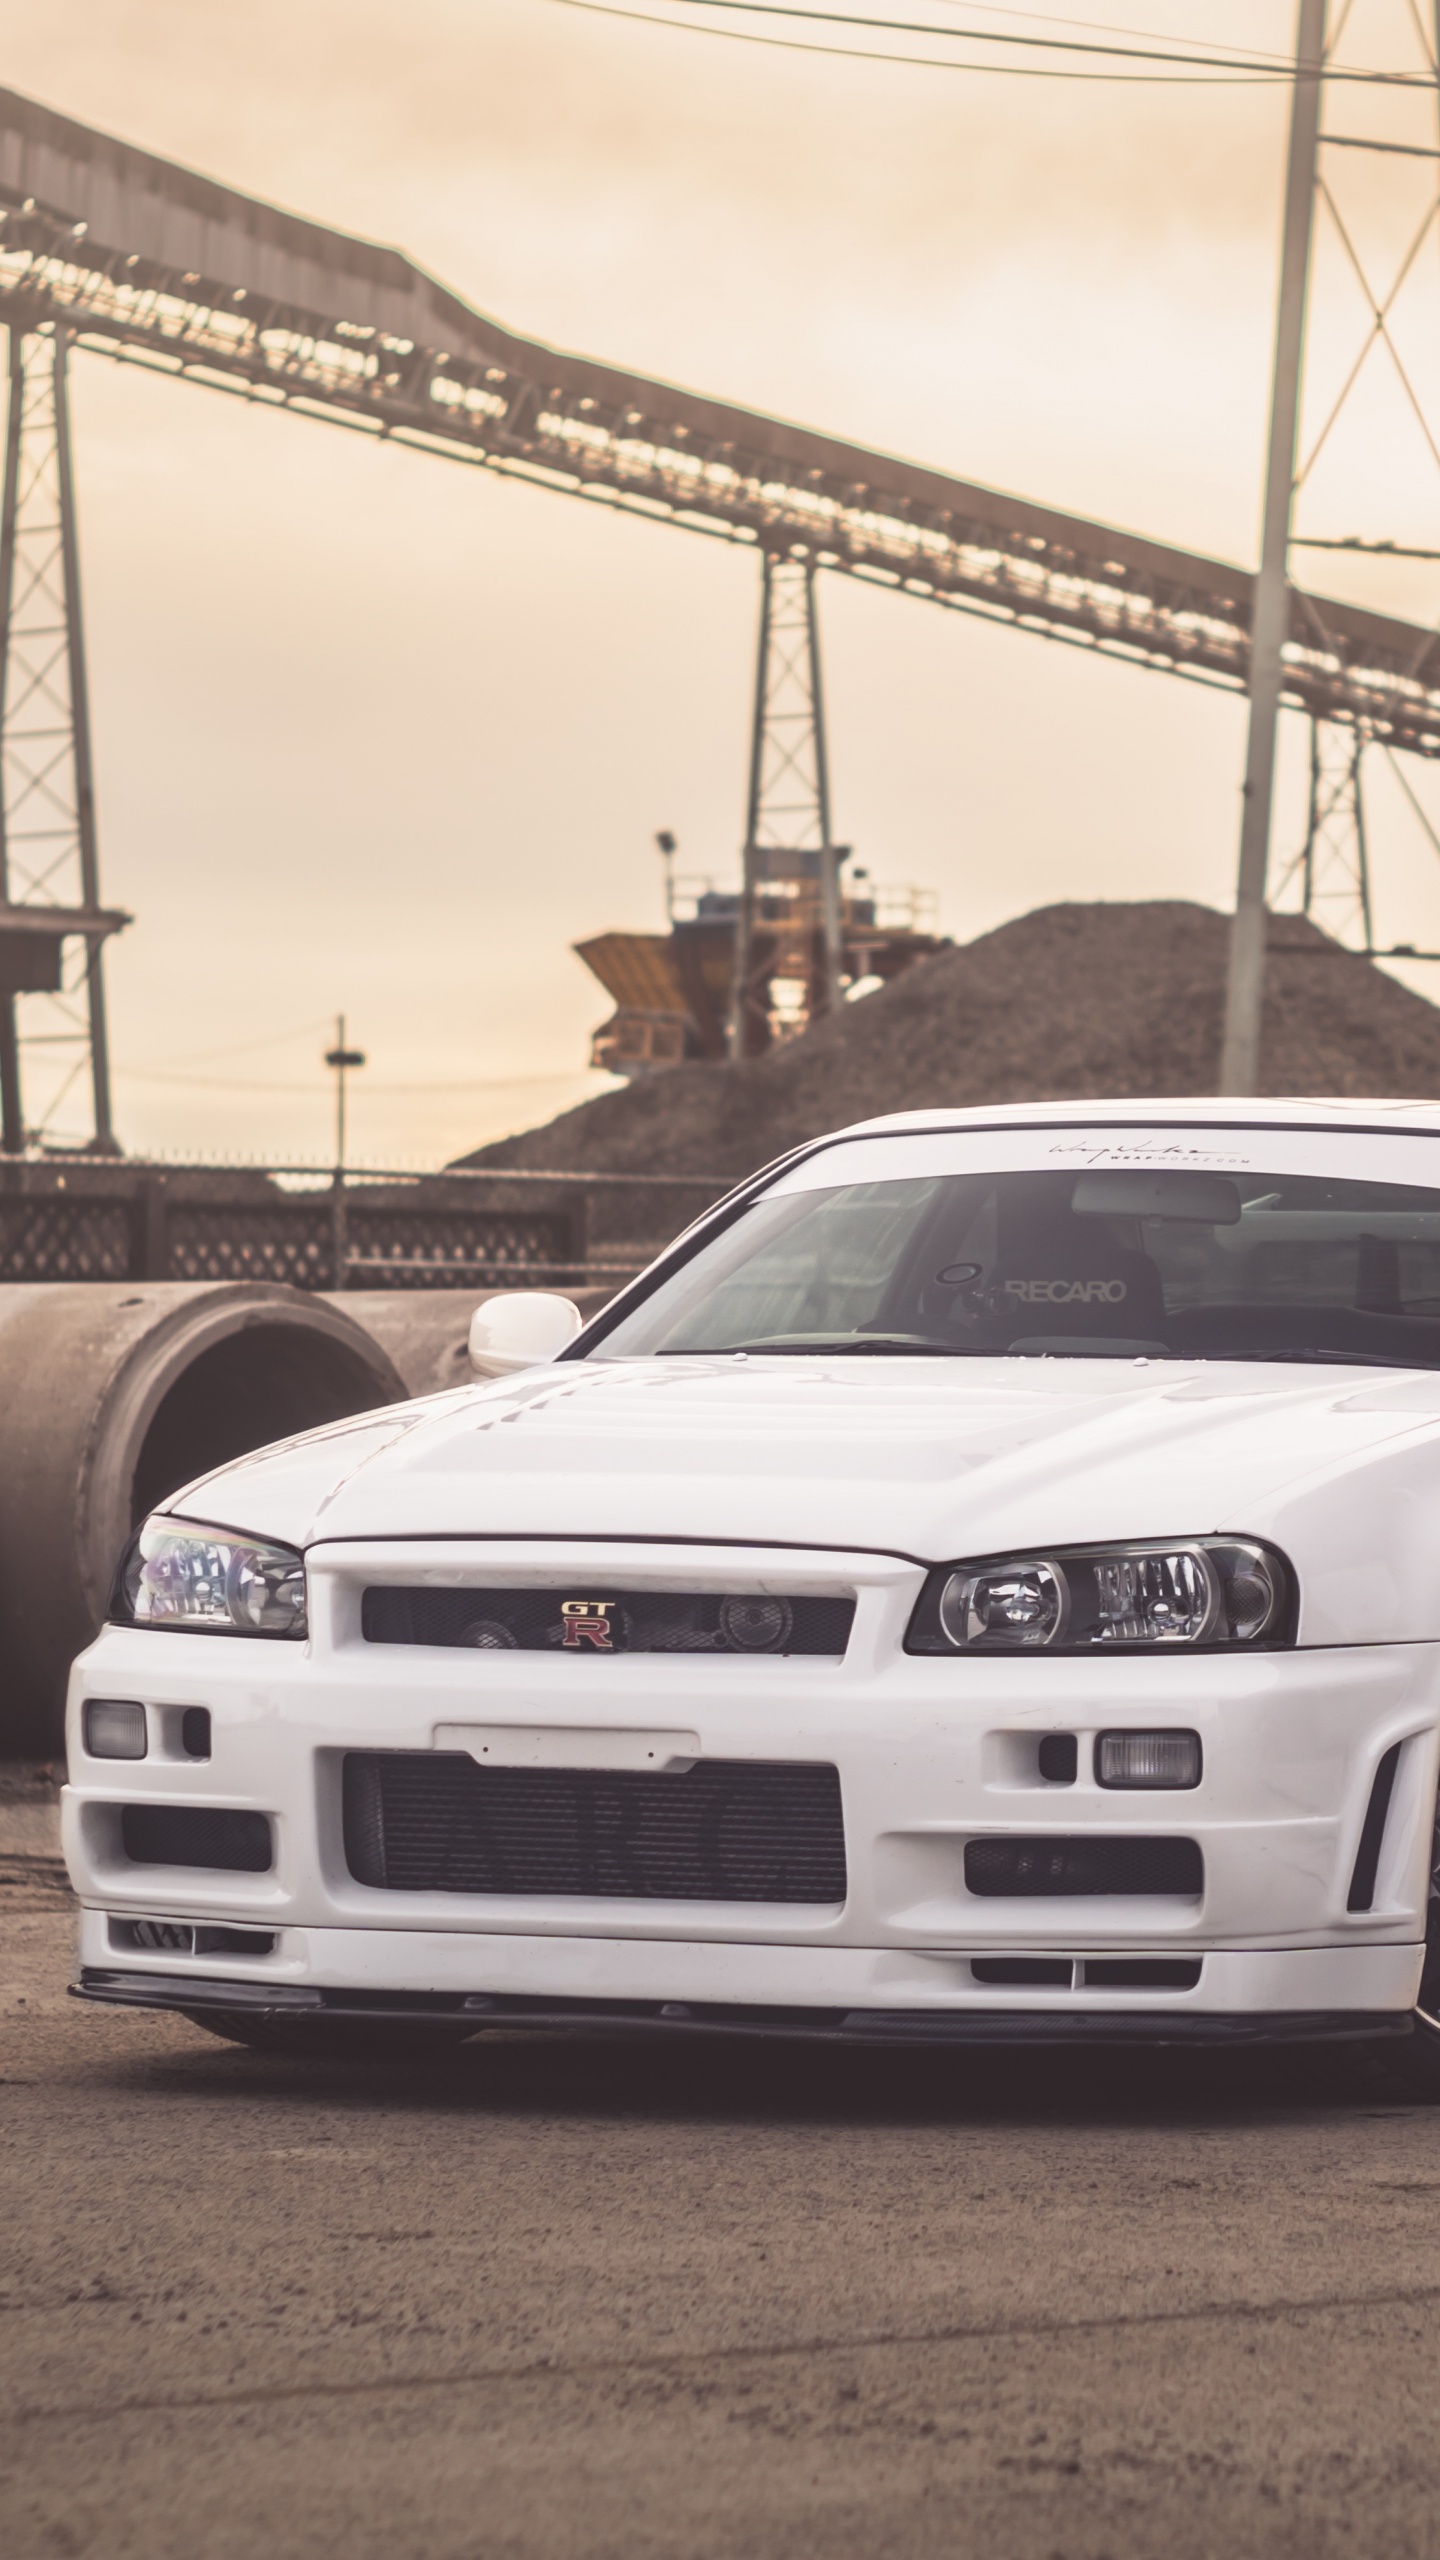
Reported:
(1070, 1001)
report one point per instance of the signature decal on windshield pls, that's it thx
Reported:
(1143, 1155)
(587, 1622)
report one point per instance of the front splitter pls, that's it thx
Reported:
(199, 1996)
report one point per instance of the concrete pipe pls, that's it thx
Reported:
(111, 1396)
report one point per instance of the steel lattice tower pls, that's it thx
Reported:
(1332, 866)
(52, 926)
(787, 942)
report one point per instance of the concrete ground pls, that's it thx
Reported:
(593, 2300)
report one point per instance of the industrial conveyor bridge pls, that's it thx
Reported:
(106, 248)
(145, 261)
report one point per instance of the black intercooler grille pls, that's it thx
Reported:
(1016, 1868)
(722, 1831)
(585, 1618)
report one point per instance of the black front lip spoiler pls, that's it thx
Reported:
(201, 1995)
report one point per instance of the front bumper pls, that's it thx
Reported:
(215, 2002)
(397, 1976)
(930, 1754)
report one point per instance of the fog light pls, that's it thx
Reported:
(114, 1729)
(1147, 1759)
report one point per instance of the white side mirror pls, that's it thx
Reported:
(520, 1328)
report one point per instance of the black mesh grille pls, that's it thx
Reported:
(583, 1619)
(722, 1831)
(185, 1835)
(1019, 1868)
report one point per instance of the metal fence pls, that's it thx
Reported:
(85, 1218)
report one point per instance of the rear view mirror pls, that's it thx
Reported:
(1208, 1199)
(520, 1328)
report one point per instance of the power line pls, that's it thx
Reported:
(1251, 71)
(1263, 55)
(925, 62)
(242, 1048)
(237, 1084)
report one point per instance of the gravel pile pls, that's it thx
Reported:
(1069, 1001)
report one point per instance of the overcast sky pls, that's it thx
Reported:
(377, 734)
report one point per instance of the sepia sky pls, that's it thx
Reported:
(376, 734)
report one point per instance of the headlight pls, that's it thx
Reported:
(1193, 1592)
(209, 1582)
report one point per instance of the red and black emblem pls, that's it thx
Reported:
(589, 1622)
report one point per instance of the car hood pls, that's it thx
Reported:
(922, 1458)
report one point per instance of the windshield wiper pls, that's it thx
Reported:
(1333, 1359)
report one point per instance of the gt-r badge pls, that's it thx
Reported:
(587, 1622)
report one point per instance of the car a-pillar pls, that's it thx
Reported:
(112, 1395)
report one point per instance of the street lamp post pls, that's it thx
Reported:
(341, 1060)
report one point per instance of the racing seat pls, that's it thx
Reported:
(1057, 1275)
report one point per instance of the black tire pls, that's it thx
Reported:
(1417, 2059)
(335, 2039)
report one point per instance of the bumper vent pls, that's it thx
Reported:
(585, 1620)
(1361, 1896)
(722, 1831)
(1024, 1973)
(185, 1835)
(1107, 1973)
(183, 1938)
(1018, 1869)
(1142, 1973)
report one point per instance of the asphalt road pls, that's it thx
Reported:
(579, 2298)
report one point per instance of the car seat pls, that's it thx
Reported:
(1056, 1274)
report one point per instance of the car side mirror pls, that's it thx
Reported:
(519, 1328)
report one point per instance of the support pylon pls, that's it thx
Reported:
(1270, 607)
(52, 926)
(788, 931)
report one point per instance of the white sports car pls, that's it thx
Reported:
(981, 1584)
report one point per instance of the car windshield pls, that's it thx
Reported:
(1117, 1252)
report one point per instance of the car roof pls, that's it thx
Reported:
(1263, 1111)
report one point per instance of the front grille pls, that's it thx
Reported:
(187, 1835)
(721, 1831)
(584, 1619)
(1016, 1869)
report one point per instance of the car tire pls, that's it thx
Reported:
(335, 2040)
